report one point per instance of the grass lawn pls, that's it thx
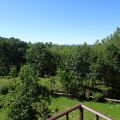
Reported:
(63, 103)
(3, 114)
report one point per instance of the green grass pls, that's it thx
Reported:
(4, 81)
(2, 114)
(63, 103)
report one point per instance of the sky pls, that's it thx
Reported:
(59, 21)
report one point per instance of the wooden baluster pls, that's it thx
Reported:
(97, 117)
(67, 116)
(81, 113)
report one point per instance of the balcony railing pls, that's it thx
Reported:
(81, 108)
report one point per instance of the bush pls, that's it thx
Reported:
(99, 97)
(4, 90)
(1, 106)
(13, 71)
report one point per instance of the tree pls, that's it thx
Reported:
(30, 100)
(12, 53)
(42, 59)
(106, 68)
(75, 69)
(112, 71)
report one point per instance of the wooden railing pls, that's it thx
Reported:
(81, 108)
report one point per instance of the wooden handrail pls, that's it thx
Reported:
(96, 113)
(64, 113)
(80, 107)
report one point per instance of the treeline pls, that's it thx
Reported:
(15, 53)
(83, 69)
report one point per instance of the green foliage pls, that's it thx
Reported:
(29, 99)
(4, 90)
(13, 72)
(71, 82)
(53, 84)
(80, 66)
(76, 70)
(42, 59)
(99, 97)
(12, 52)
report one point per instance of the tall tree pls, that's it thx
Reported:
(29, 100)
(42, 59)
(12, 53)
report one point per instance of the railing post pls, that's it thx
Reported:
(67, 116)
(97, 117)
(81, 113)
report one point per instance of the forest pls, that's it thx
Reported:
(36, 71)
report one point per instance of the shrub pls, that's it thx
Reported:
(1, 106)
(99, 97)
(30, 100)
(4, 90)
(13, 72)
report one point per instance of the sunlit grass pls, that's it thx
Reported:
(63, 103)
(4, 81)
